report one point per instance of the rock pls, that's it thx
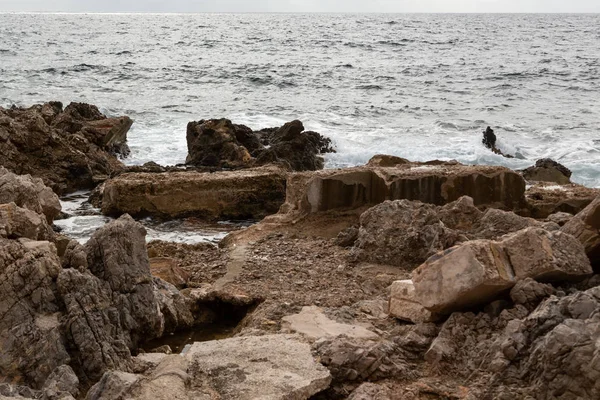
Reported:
(434, 183)
(585, 226)
(544, 199)
(62, 382)
(386, 161)
(463, 276)
(214, 143)
(176, 312)
(248, 194)
(74, 256)
(370, 391)
(113, 385)
(17, 222)
(347, 237)
(489, 141)
(402, 233)
(313, 324)
(30, 193)
(560, 218)
(67, 149)
(30, 332)
(405, 306)
(297, 149)
(547, 170)
(167, 269)
(528, 291)
(479, 270)
(461, 214)
(546, 256)
(271, 366)
(496, 223)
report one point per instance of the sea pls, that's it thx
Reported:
(419, 86)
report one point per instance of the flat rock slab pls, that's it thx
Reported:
(272, 367)
(405, 306)
(313, 324)
(220, 195)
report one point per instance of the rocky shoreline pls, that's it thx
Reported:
(393, 280)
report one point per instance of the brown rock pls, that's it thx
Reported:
(547, 170)
(544, 199)
(405, 306)
(17, 222)
(585, 226)
(167, 269)
(220, 195)
(30, 193)
(67, 149)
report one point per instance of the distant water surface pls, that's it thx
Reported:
(416, 86)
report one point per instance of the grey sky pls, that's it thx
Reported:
(303, 5)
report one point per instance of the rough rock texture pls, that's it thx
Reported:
(29, 193)
(404, 304)
(295, 148)
(585, 226)
(436, 183)
(220, 195)
(547, 170)
(544, 199)
(313, 324)
(68, 149)
(550, 352)
(167, 269)
(31, 342)
(222, 144)
(402, 233)
(479, 270)
(17, 222)
(271, 367)
(495, 223)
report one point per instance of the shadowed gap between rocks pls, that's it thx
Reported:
(215, 319)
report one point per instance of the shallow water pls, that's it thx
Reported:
(84, 220)
(417, 86)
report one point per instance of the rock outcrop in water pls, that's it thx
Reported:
(68, 149)
(221, 144)
(547, 170)
(489, 141)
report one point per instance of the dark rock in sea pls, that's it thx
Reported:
(69, 149)
(489, 141)
(222, 144)
(548, 170)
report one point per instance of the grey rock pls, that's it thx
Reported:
(17, 222)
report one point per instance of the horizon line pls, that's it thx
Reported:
(292, 12)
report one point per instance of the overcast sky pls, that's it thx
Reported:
(302, 5)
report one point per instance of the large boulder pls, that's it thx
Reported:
(297, 149)
(404, 304)
(214, 143)
(402, 233)
(545, 199)
(30, 193)
(477, 271)
(71, 149)
(221, 195)
(585, 226)
(548, 170)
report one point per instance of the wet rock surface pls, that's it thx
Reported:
(69, 149)
(221, 144)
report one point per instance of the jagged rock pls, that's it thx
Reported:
(528, 291)
(299, 150)
(314, 325)
(585, 226)
(214, 143)
(547, 170)
(402, 233)
(30, 334)
(495, 223)
(405, 306)
(68, 149)
(347, 237)
(461, 214)
(176, 312)
(17, 222)
(559, 218)
(489, 141)
(354, 359)
(220, 195)
(167, 269)
(113, 385)
(386, 161)
(30, 193)
(237, 368)
(479, 270)
(74, 256)
(61, 383)
(544, 199)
